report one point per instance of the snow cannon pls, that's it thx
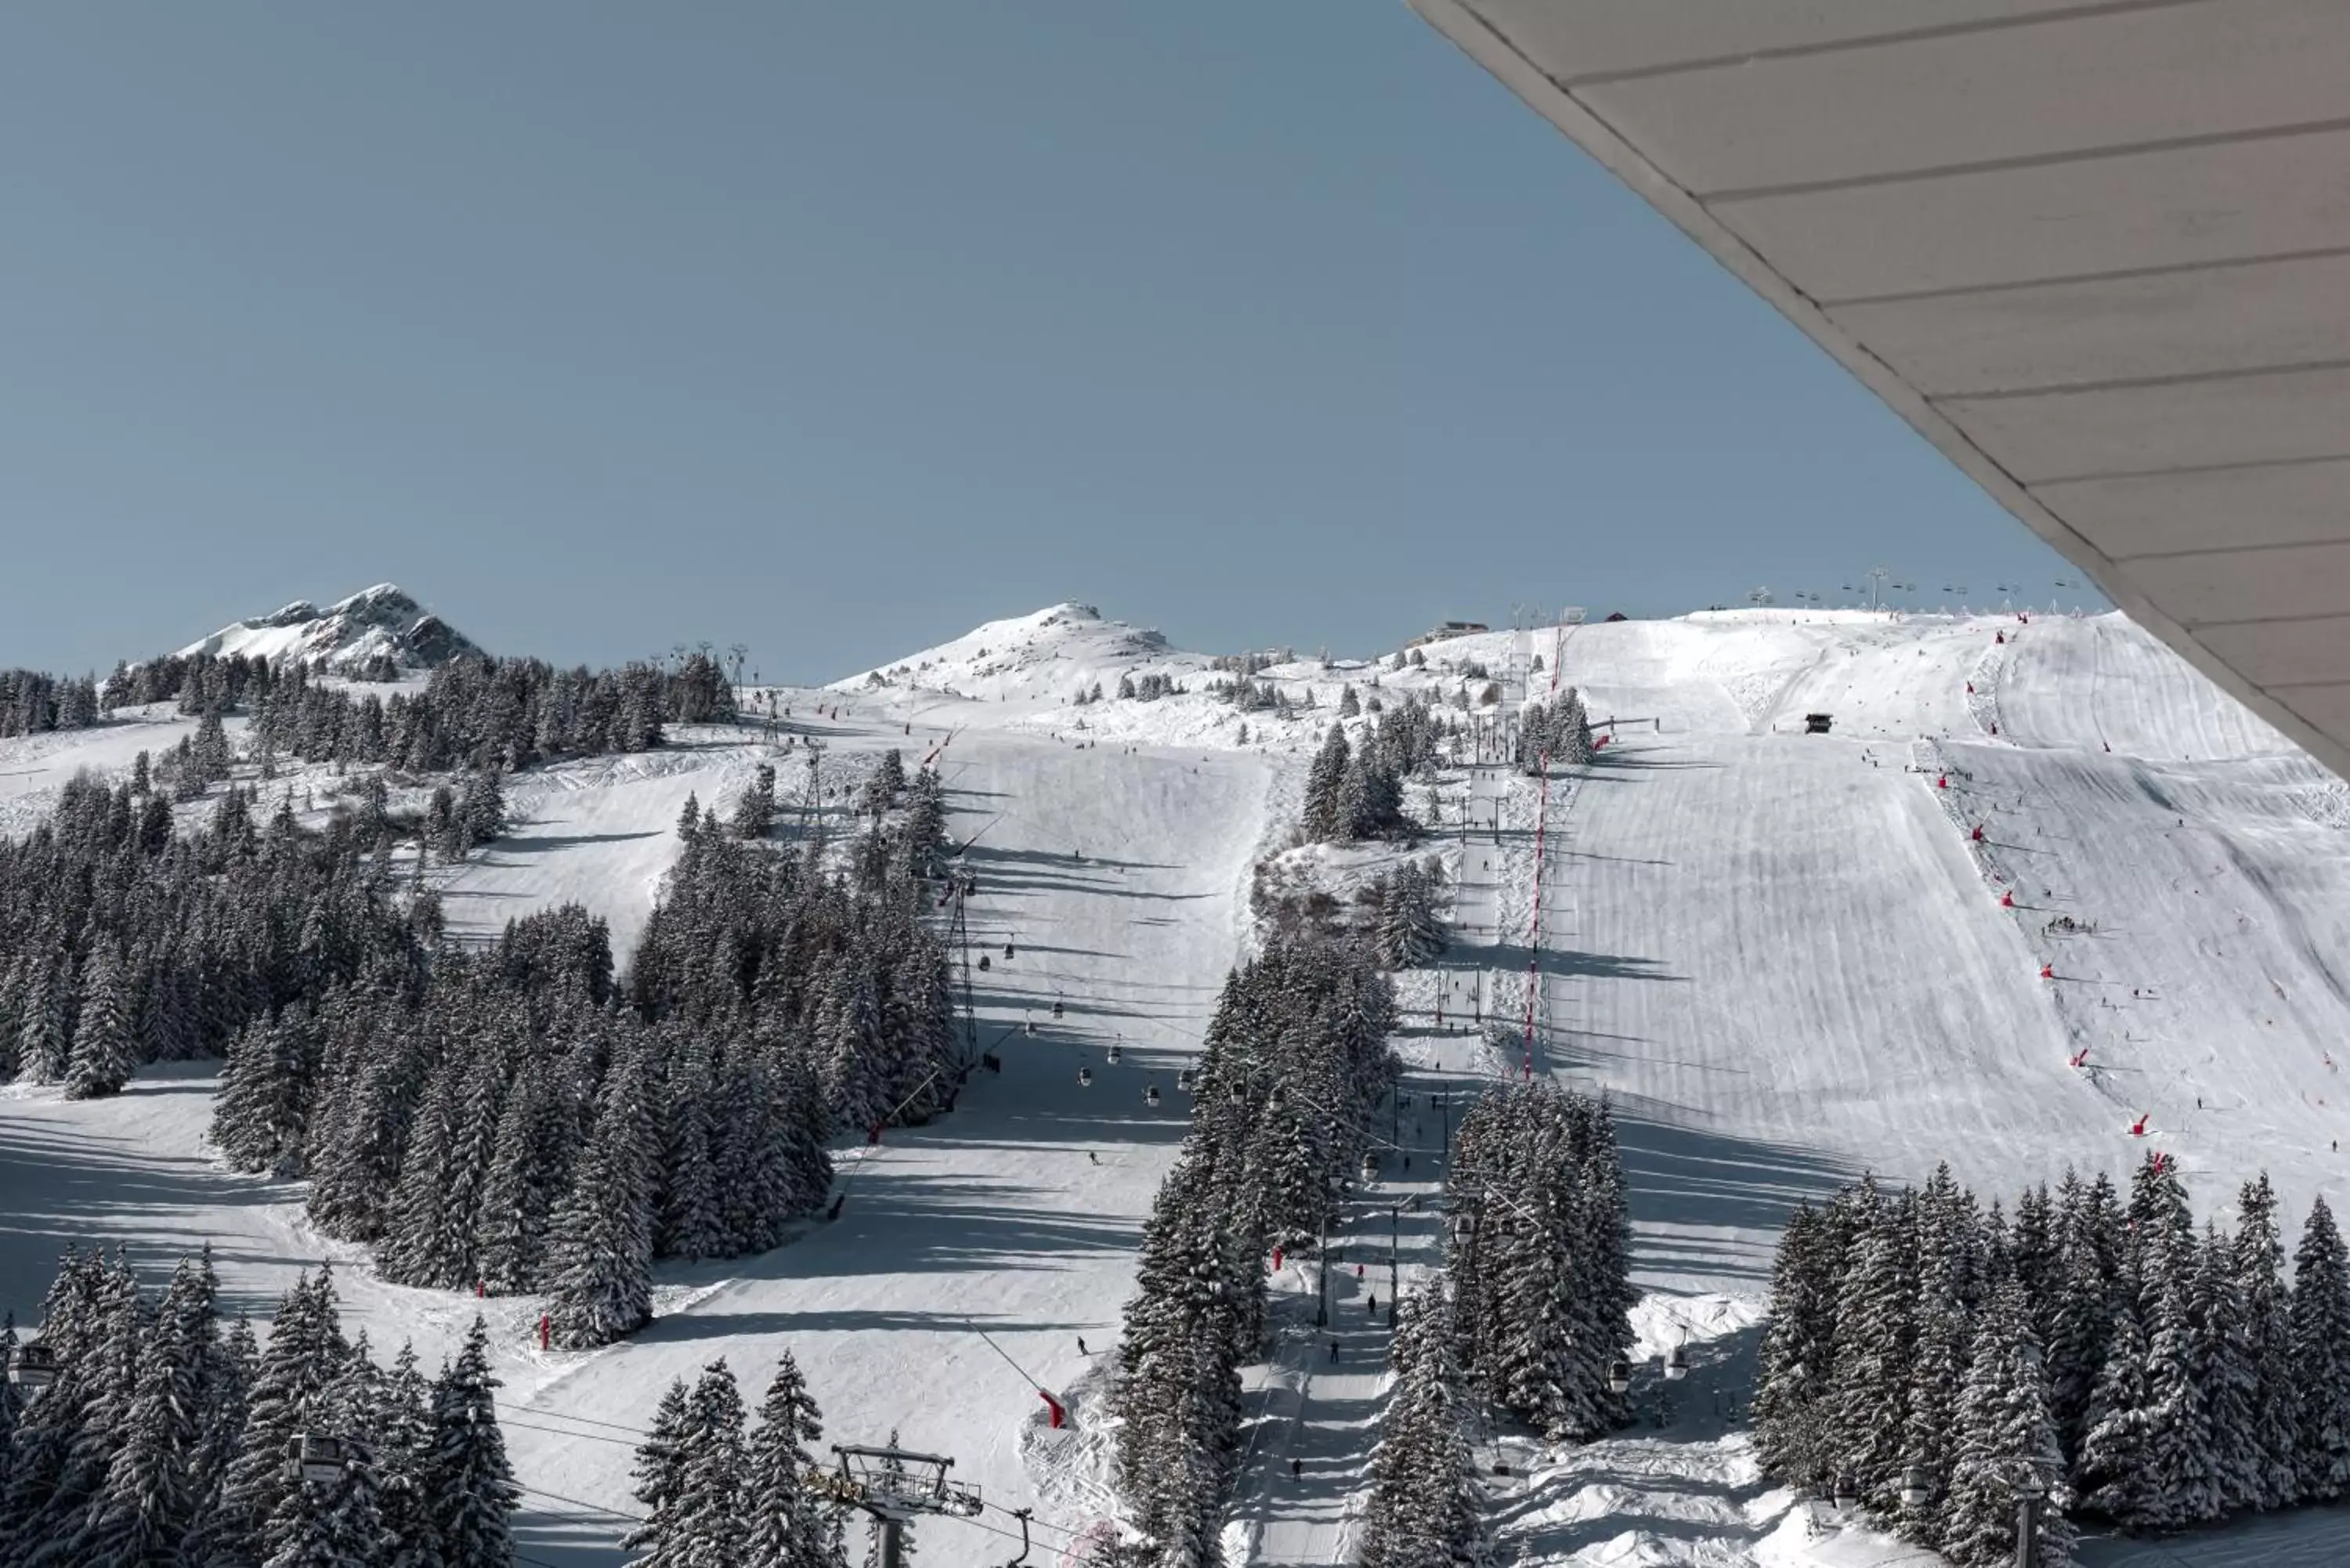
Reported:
(2006, 902)
(2048, 972)
(1976, 834)
(1942, 780)
(2137, 1127)
(2079, 1059)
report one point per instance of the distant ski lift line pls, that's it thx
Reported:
(1541, 822)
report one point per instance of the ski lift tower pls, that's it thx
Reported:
(893, 1486)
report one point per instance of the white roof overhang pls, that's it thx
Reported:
(2098, 254)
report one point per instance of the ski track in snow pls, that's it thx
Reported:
(1781, 956)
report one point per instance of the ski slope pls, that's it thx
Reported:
(1781, 955)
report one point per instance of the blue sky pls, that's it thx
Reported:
(837, 329)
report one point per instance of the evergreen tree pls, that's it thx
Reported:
(2274, 1440)
(2007, 1434)
(472, 1489)
(2115, 1473)
(1423, 1509)
(1323, 820)
(1876, 1338)
(784, 1522)
(405, 1459)
(104, 1051)
(2319, 1322)
(660, 1476)
(2225, 1374)
(600, 1258)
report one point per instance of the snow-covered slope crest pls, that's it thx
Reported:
(1054, 654)
(380, 621)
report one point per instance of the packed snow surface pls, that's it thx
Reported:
(1785, 956)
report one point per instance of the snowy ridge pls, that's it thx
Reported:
(378, 622)
(1782, 956)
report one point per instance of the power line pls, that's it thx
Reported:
(560, 1415)
(559, 1432)
(575, 1502)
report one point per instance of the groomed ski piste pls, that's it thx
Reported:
(1785, 957)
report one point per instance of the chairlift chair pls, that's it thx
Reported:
(1085, 1078)
(321, 1457)
(32, 1366)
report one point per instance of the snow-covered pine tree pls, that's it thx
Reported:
(2320, 1325)
(2006, 1433)
(754, 808)
(1423, 1509)
(1876, 1338)
(404, 1440)
(689, 1225)
(306, 1353)
(2114, 1474)
(105, 1052)
(472, 1485)
(660, 1472)
(2179, 1433)
(427, 1241)
(784, 1519)
(1798, 1351)
(147, 1505)
(523, 1182)
(2274, 1396)
(1321, 818)
(2224, 1373)
(2081, 1312)
(705, 1524)
(600, 1259)
(335, 1523)
(1937, 1378)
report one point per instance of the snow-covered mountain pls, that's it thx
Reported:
(372, 623)
(1786, 957)
(1054, 654)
